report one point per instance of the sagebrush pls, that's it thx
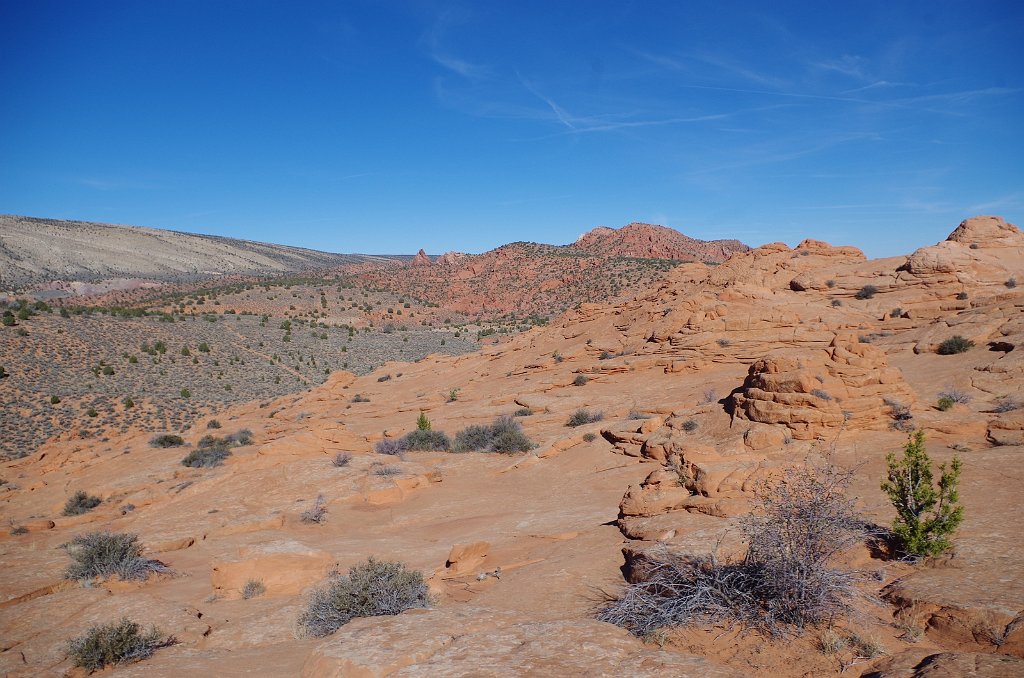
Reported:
(121, 642)
(505, 435)
(104, 554)
(370, 589)
(80, 502)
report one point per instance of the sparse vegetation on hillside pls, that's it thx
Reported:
(104, 554)
(581, 417)
(167, 440)
(370, 589)
(121, 642)
(955, 344)
(866, 292)
(317, 513)
(80, 502)
(246, 362)
(504, 436)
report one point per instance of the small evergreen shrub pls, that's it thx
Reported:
(80, 503)
(523, 412)
(927, 514)
(166, 440)
(946, 403)
(213, 423)
(370, 589)
(589, 437)
(121, 642)
(342, 459)
(690, 425)
(955, 344)
(580, 380)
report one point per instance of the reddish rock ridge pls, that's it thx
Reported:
(421, 259)
(521, 278)
(650, 241)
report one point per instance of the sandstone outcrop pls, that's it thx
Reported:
(420, 260)
(846, 386)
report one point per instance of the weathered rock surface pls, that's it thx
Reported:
(479, 642)
(846, 386)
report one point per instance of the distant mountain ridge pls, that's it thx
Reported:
(524, 278)
(650, 241)
(36, 251)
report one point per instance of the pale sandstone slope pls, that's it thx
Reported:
(558, 520)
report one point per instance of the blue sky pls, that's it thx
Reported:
(390, 126)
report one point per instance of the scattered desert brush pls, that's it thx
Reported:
(105, 554)
(370, 589)
(121, 642)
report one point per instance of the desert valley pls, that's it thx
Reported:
(536, 433)
(434, 338)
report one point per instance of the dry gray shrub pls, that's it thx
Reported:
(370, 589)
(316, 513)
(788, 577)
(104, 554)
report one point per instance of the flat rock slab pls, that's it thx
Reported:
(472, 641)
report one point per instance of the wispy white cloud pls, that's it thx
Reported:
(1013, 201)
(612, 122)
(682, 63)
(931, 103)
(433, 41)
(852, 66)
(878, 84)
